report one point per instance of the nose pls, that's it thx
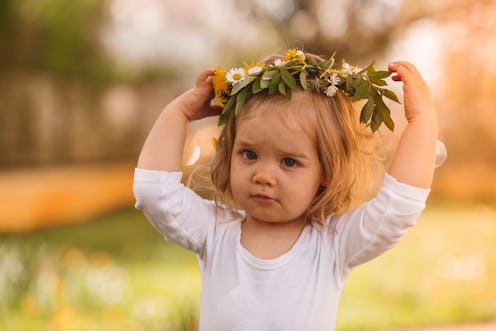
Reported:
(264, 176)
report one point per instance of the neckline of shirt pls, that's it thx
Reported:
(271, 264)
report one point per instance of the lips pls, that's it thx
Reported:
(263, 198)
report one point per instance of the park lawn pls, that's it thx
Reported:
(117, 273)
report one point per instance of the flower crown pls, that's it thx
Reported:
(232, 88)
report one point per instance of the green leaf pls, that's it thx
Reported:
(288, 78)
(255, 88)
(381, 113)
(379, 102)
(312, 61)
(264, 83)
(240, 100)
(226, 111)
(379, 74)
(388, 120)
(223, 119)
(378, 82)
(288, 94)
(274, 83)
(362, 90)
(271, 72)
(316, 84)
(303, 80)
(267, 78)
(367, 111)
(376, 119)
(367, 68)
(325, 64)
(282, 88)
(241, 85)
(355, 82)
(390, 95)
(349, 84)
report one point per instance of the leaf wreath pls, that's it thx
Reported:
(232, 88)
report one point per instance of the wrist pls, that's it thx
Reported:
(179, 109)
(424, 122)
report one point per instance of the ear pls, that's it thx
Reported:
(322, 184)
(323, 180)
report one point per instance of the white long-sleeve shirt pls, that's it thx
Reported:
(296, 291)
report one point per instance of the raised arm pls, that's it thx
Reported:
(413, 162)
(163, 148)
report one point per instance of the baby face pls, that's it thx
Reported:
(275, 168)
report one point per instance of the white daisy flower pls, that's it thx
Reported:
(279, 62)
(331, 90)
(254, 70)
(350, 70)
(335, 80)
(235, 75)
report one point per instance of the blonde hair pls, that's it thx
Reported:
(343, 147)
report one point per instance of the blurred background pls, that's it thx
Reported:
(81, 83)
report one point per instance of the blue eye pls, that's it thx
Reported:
(288, 162)
(249, 155)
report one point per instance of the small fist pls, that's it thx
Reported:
(196, 103)
(418, 100)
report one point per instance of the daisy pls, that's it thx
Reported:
(331, 90)
(349, 69)
(254, 70)
(279, 63)
(235, 75)
(335, 80)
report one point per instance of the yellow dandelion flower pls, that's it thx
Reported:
(294, 53)
(221, 88)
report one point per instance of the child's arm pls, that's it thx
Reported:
(176, 212)
(163, 148)
(377, 225)
(413, 162)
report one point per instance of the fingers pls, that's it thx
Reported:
(405, 71)
(204, 78)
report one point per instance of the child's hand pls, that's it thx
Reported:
(418, 100)
(195, 103)
(413, 162)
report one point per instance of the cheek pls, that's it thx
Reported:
(235, 177)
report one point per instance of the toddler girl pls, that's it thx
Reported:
(288, 160)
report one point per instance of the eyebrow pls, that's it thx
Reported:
(247, 144)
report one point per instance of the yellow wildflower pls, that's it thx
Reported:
(221, 87)
(294, 53)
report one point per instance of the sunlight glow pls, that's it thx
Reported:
(195, 155)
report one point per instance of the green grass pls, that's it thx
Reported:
(442, 273)
(117, 273)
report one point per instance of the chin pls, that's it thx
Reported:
(271, 219)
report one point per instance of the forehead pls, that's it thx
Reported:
(293, 115)
(282, 124)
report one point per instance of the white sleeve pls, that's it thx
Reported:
(378, 224)
(175, 211)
